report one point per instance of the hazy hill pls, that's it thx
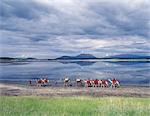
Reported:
(81, 56)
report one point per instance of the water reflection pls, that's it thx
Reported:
(126, 72)
(81, 63)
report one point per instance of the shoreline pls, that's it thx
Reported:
(51, 91)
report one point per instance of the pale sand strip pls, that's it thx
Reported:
(22, 90)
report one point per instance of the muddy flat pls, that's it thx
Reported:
(24, 90)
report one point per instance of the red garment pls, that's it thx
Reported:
(104, 82)
(40, 81)
(88, 82)
(96, 81)
(114, 81)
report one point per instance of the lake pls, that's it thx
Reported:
(131, 73)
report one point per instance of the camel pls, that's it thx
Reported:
(104, 83)
(42, 82)
(66, 81)
(96, 83)
(79, 82)
(114, 83)
(88, 83)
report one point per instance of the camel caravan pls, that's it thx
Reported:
(94, 83)
(98, 83)
(114, 83)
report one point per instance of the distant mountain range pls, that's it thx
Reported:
(80, 57)
(90, 56)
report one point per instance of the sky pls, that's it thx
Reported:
(53, 28)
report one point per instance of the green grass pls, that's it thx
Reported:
(74, 106)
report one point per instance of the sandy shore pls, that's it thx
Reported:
(23, 90)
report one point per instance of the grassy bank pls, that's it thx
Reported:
(74, 106)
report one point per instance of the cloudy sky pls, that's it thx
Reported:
(52, 28)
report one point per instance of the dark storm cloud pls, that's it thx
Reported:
(129, 21)
(22, 9)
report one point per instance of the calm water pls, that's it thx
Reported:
(134, 73)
